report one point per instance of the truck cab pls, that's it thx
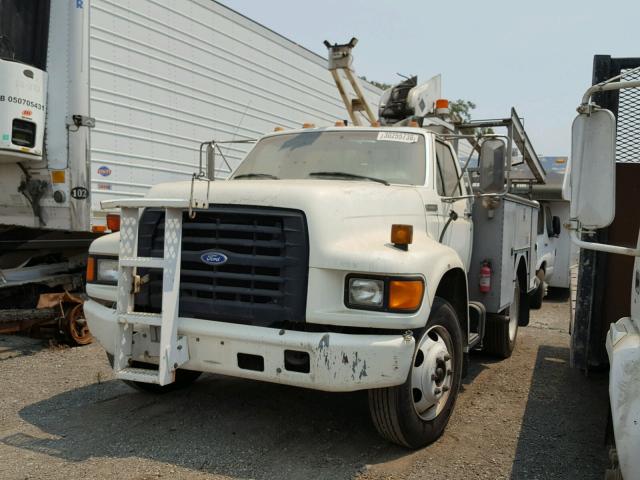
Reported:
(334, 258)
(554, 255)
(547, 243)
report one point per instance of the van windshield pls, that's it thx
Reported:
(386, 156)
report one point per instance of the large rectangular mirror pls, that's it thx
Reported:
(592, 169)
(492, 165)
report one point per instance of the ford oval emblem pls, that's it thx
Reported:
(214, 258)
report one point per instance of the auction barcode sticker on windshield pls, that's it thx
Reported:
(398, 137)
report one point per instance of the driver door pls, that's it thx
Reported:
(449, 183)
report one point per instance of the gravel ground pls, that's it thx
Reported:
(63, 416)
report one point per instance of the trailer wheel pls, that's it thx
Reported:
(501, 331)
(75, 326)
(184, 378)
(536, 297)
(416, 413)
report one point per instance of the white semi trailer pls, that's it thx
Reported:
(102, 99)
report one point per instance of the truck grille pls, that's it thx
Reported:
(264, 280)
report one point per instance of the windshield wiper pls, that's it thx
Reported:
(348, 175)
(256, 175)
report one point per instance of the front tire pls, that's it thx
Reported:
(416, 413)
(537, 296)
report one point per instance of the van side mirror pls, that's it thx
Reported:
(555, 222)
(493, 153)
(592, 169)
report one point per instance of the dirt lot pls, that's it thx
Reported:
(63, 416)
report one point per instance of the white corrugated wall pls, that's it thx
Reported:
(166, 75)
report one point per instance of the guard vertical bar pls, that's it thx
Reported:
(128, 248)
(171, 351)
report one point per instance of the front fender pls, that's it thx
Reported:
(425, 258)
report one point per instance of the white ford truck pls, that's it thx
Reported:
(337, 259)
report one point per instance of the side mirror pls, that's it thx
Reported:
(211, 161)
(555, 222)
(493, 153)
(593, 170)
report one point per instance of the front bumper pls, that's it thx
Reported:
(337, 362)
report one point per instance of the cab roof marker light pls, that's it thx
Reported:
(113, 222)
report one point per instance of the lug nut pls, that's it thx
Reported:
(445, 388)
(447, 357)
(437, 391)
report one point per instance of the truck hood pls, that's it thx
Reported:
(343, 217)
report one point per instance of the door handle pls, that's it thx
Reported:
(431, 207)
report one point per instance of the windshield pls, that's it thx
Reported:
(385, 156)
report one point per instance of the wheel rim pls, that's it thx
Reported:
(514, 313)
(536, 282)
(432, 373)
(78, 328)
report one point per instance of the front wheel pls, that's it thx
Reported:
(537, 296)
(416, 413)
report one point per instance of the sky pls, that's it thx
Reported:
(536, 56)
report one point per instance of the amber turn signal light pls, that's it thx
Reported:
(402, 236)
(91, 269)
(113, 222)
(405, 294)
(57, 176)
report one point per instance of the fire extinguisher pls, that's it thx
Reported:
(485, 277)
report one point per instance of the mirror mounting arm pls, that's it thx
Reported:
(608, 85)
(474, 196)
(602, 247)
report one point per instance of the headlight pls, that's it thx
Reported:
(102, 270)
(107, 270)
(366, 292)
(389, 294)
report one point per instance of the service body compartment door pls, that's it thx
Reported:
(504, 233)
